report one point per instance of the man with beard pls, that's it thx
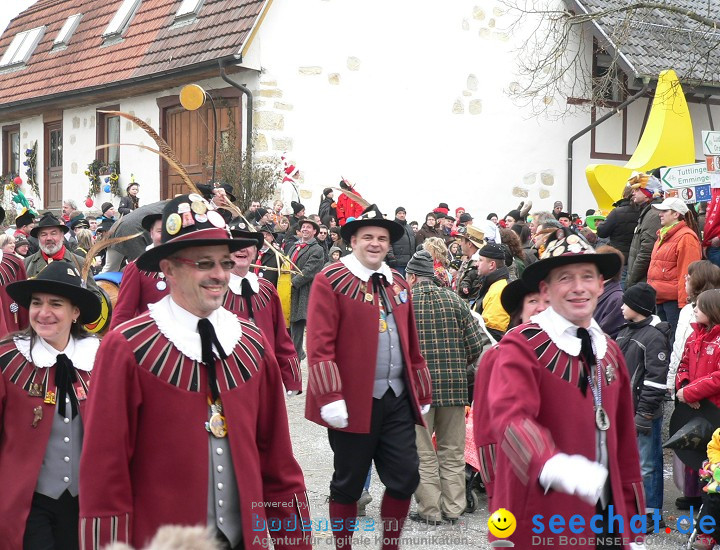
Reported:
(256, 300)
(309, 257)
(182, 427)
(49, 232)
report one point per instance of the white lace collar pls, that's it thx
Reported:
(236, 283)
(180, 327)
(80, 352)
(564, 334)
(362, 272)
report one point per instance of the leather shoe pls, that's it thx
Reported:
(418, 518)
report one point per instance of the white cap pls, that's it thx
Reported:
(673, 203)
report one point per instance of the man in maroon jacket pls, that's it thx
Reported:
(561, 412)
(367, 382)
(187, 425)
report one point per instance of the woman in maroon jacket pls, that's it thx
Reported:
(43, 388)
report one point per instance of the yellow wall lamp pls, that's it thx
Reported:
(192, 97)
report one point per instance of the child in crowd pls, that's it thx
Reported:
(698, 375)
(645, 343)
(710, 474)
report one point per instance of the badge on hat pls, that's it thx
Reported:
(173, 224)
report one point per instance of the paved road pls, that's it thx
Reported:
(313, 453)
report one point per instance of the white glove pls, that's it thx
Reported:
(574, 475)
(335, 414)
(424, 409)
(292, 393)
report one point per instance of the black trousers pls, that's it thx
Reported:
(52, 524)
(390, 443)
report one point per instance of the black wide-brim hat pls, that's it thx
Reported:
(372, 217)
(189, 221)
(513, 295)
(570, 249)
(49, 220)
(61, 279)
(149, 220)
(255, 236)
(691, 430)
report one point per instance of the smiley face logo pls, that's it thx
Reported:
(502, 523)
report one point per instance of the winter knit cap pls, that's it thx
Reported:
(400, 209)
(106, 206)
(514, 214)
(495, 251)
(641, 298)
(297, 207)
(421, 264)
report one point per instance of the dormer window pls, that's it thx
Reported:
(188, 10)
(22, 47)
(63, 37)
(119, 24)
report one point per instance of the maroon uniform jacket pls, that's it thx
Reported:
(137, 290)
(22, 447)
(268, 315)
(538, 410)
(342, 339)
(145, 456)
(14, 318)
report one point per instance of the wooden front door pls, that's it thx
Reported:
(190, 135)
(53, 165)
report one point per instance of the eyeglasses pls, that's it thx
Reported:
(205, 265)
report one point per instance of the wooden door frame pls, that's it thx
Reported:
(167, 103)
(56, 124)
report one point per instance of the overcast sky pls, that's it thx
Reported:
(11, 8)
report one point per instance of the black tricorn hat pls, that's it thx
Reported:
(372, 216)
(105, 226)
(189, 221)
(49, 220)
(691, 430)
(256, 236)
(61, 279)
(149, 220)
(513, 294)
(568, 248)
(228, 191)
(23, 219)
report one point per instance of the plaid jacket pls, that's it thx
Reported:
(450, 340)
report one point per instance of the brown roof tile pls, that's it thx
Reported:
(151, 45)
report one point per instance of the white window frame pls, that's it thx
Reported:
(120, 21)
(65, 34)
(22, 46)
(188, 8)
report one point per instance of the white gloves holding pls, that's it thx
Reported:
(424, 409)
(574, 475)
(292, 393)
(335, 414)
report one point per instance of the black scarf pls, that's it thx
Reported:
(65, 377)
